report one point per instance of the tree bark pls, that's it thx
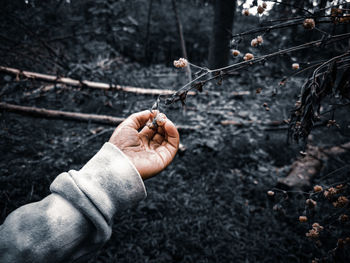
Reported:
(304, 169)
(220, 41)
(149, 16)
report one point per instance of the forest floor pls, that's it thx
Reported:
(210, 204)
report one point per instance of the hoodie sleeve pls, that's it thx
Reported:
(76, 218)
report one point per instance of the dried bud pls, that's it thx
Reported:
(260, 9)
(309, 23)
(295, 66)
(343, 218)
(160, 119)
(312, 234)
(317, 226)
(248, 56)
(302, 219)
(235, 52)
(311, 203)
(339, 186)
(260, 39)
(341, 202)
(254, 42)
(331, 192)
(340, 243)
(270, 193)
(332, 123)
(181, 63)
(318, 188)
(264, 5)
(265, 104)
(336, 11)
(246, 12)
(345, 19)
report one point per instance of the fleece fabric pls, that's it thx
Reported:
(76, 218)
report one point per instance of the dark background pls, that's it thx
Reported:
(210, 204)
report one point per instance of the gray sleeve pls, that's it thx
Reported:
(76, 218)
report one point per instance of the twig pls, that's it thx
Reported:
(220, 72)
(268, 28)
(328, 62)
(290, 5)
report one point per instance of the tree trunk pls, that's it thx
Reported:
(182, 39)
(220, 41)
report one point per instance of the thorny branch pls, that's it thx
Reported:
(315, 89)
(199, 82)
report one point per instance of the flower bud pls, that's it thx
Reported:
(295, 66)
(309, 23)
(248, 56)
(235, 52)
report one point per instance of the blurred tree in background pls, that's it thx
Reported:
(221, 37)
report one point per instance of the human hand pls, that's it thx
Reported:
(151, 151)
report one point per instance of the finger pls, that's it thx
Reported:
(148, 132)
(171, 134)
(161, 131)
(139, 119)
(166, 154)
(158, 138)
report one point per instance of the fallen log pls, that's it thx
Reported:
(250, 122)
(240, 93)
(304, 169)
(87, 83)
(75, 116)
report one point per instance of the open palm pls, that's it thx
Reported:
(149, 150)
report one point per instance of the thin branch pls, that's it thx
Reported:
(219, 73)
(290, 5)
(328, 62)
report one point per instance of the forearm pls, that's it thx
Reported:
(77, 216)
(47, 231)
